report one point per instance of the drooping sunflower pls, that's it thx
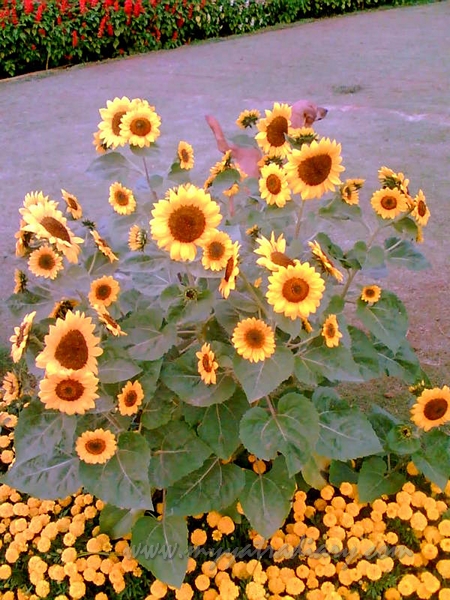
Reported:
(253, 339)
(185, 154)
(420, 212)
(137, 238)
(248, 118)
(273, 252)
(217, 249)
(349, 191)
(96, 447)
(295, 291)
(20, 337)
(207, 364)
(61, 308)
(20, 281)
(70, 344)
(109, 129)
(273, 185)
(302, 135)
(324, 261)
(228, 281)
(121, 199)
(23, 240)
(104, 291)
(111, 324)
(371, 294)
(330, 331)
(140, 126)
(45, 262)
(103, 246)
(389, 203)
(273, 130)
(70, 392)
(314, 170)
(130, 398)
(11, 387)
(432, 408)
(389, 179)
(73, 206)
(99, 144)
(181, 222)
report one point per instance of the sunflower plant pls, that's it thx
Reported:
(196, 325)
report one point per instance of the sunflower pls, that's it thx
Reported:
(73, 206)
(325, 262)
(20, 281)
(20, 337)
(33, 198)
(11, 387)
(182, 222)
(273, 185)
(274, 129)
(140, 126)
(70, 392)
(330, 331)
(389, 179)
(349, 190)
(295, 291)
(103, 246)
(217, 249)
(302, 135)
(248, 118)
(111, 325)
(432, 408)
(104, 291)
(228, 281)
(45, 262)
(207, 365)
(110, 135)
(231, 191)
(96, 447)
(61, 308)
(314, 170)
(99, 145)
(389, 203)
(121, 199)
(23, 240)
(273, 252)
(137, 238)
(70, 344)
(130, 398)
(253, 339)
(420, 212)
(371, 294)
(185, 154)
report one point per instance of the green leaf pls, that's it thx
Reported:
(116, 370)
(117, 522)
(387, 319)
(339, 210)
(266, 499)
(313, 472)
(364, 354)
(317, 362)
(292, 431)
(113, 166)
(150, 339)
(162, 547)
(433, 459)
(212, 487)
(159, 408)
(374, 480)
(382, 422)
(260, 378)
(402, 253)
(123, 480)
(401, 440)
(403, 364)
(340, 472)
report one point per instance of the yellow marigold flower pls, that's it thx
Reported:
(96, 447)
(444, 594)
(198, 537)
(418, 521)
(255, 591)
(444, 527)
(202, 582)
(5, 571)
(77, 589)
(185, 155)
(330, 331)
(56, 572)
(184, 592)
(43, 589)
(121, 199)
(44, 545)
(158, 589)
(371, 294)
(347, 489)
(7, 457)
(225, 525)
(443, 568)
(210, 594)
(130, 398)
(104, 291)
(226, 561)
(253, 339)
(101, 596)
(259, 467)
(207, 365)
(209, 568)
(212, 518)
(432, 408)
(294, 586)
(431, 583)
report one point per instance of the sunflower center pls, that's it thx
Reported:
(255, 338)
(276, 131)
(330, 330)
(140, 127)
(369, 292)
(295, 290)
(69, 390)
(103, 291)
(421, 208)
(108, 320)
(273, 184)
(121, 198)
(22, 335)
(130, 398)
(72, 203)
(187, 224)
(116, 120)
(315, 169)
(95, 446)
(72, 350)
(206, 363)
(389, 202)
(55, 228)
(184, 155)
(279, 258)
(229, 269)
(435, 409)
(46, 261)
(216, 250)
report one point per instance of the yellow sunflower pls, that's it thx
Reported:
(121, 199)
(20, 281)
(314, 170)
(70, 392)
(273, 130)
(295, 291)
(371, 294)
(228, 281)
(389, 179)
(130, 398)
(182, 222)
(302, 135)
(61, 308)
(23, 240)
(20, 337)
(140, 126)
(207, 365)
(330, 331)
(11, 387)
(99, 145)
(248, 118)
(432, 408)
(420, 212)
(109, 129)
(217, 249)
(137, 238)
(389, 203)
(73, 206)
(273, 185)
(96, 447)
(349, 190)
(253, 339)
(273, 252)
(111, 325)
(325, 262)
(104, 291)
(70, 344)
(36, 198)
(185, 154)
(45, 262)
(103, 246)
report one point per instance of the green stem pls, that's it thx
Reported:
(299, 220)
(351, 277)
(147, 177)
(271, 407)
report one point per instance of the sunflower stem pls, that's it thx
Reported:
(348, 283)
(299, 220)
(271, 407)
(92, 263)
(253, 293)
(147, 177)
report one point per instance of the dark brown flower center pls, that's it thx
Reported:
(121, 198)
(103, 291)
(369, 292)
(229, 269)
(95, 446)
(273, 184)
(279, 258)
(187, 224)
(330, 330)
(216, 250)
(69, 390)
(421, 208)
(55, 228)
(72, 203)
(295, 289)
(254, 338)
(206, 363)
(46, 261)
(116, 120)
(22, 335)
(184, 155)
(435, 409)
(72, 350)
(140, 126)
(389, 202)
(276, 131)
(108, 320)
(130, 398)
(315, 169)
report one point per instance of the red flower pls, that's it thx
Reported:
(39, 12)
(74, 39)
(180, 22)
(191, 10)
(41, 31)
(33, 47)
(138, 8)
(28, 6)
(128, 7)
(102, 26)
(58, 20)
(110, 29)
(82, 7)
(175, 35)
